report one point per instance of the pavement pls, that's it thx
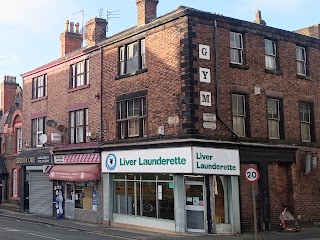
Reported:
(312, 233)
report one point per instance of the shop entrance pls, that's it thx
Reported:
(195, 204)
(70, 200)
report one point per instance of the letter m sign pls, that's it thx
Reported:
(205, 98)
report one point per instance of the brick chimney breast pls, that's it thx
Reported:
(258, 19)
(70, 40)
(96, 30)
(147, 11)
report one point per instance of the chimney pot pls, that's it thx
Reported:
(258, 19)
(77, 27)
(72, 27)
(66, 26)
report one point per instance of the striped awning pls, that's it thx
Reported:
(77, 158)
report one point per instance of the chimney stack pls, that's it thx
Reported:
(258, 19)
(96, 31)
(70, 40)
(147, 11)
(7, 92)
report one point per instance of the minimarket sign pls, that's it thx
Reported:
(198, 160)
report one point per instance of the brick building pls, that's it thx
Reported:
(10, 139)
(180, 106)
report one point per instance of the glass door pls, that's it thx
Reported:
(70, 200)
(195, 206)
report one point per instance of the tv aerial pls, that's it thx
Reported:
(111, 15)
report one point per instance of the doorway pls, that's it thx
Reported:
(70, 200)
(195, 204)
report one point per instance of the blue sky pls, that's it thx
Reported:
(30, 29)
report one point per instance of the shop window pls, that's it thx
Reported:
(146, 195)
(15, 183)
(86, 196)
(221, 186)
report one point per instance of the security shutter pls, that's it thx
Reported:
(40, 196)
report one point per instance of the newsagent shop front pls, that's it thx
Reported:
(182, 189)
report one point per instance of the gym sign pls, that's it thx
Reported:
(173, 160)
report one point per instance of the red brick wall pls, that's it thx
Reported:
(59, 98)
(162, 81)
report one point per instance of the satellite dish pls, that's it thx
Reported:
(61, 128)
(51, 123)
(43, 138)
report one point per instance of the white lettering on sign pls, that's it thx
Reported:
(205, 98)
(209, 117)
(205, 75)
(204, 52)
(210, 125)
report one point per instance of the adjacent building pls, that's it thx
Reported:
(154, 127)
(10, 139)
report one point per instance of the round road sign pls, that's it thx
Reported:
(252, 174)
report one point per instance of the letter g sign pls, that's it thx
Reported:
(204, 52)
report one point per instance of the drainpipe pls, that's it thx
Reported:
(216, 67)
(101, 94)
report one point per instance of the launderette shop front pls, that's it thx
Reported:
(182, 189)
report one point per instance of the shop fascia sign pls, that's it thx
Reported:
(173, 160)
(34, 159)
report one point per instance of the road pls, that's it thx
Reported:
(13, 229)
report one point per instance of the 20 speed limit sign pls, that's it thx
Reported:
(252, 174)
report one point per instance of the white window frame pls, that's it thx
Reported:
(305, 123)
(39, 86)
(236, 48)
(79, 74)
(79, 121)
(130, 118)
(270, 54)
(19, 139)
(38, 127)
(238, 116)
(273, 111)
(15, 183)
(301, 61)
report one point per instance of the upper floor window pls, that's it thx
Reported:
(14, 183)
(38, 128)
(236, 48)
(270, 54)
(79, 126)
(132, 117)
(239, 114)
(132, 57)
(301, 61)
(274, 118)
(19, 139)
(306, 122)
(79, 74)
(39, 86)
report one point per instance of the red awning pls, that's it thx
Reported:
(77, 173)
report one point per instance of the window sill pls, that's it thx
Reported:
(78, 88)
(274, 71)
(132, 74)
(240, 66)
(304, 77)
(39, 99)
